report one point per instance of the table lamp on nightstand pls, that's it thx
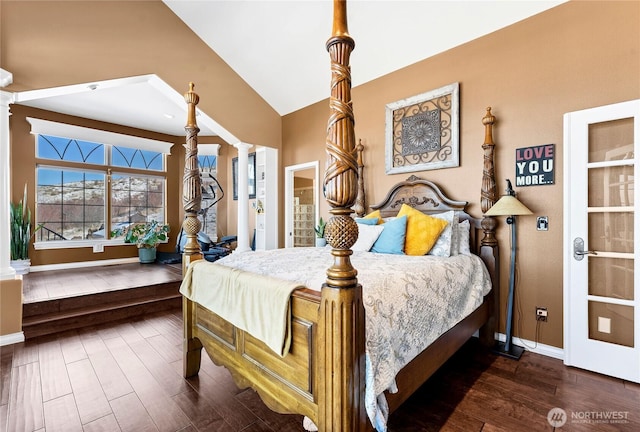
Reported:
(508, 205)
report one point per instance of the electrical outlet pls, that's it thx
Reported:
(541, 313)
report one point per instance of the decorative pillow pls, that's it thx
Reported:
(367, 221)
(374, 215)
(391, 240)
(446, 244)
(455, 250)
(367, 236)
(463, 229)
(422, 230)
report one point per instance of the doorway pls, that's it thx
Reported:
(301, 204)
(601, 294)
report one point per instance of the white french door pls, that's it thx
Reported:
(601, 294)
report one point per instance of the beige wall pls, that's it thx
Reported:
(575, 56)
(11, 301)
(54, 43)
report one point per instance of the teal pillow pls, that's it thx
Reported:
(391, 239)
(367, 221)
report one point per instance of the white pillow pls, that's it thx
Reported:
(462, 243)
(367, 236)
(444, 246)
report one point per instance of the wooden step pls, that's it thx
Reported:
(56, 315)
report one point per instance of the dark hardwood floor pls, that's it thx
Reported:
(59, 284)
(60, 300)
(126, 376)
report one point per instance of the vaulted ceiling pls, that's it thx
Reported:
(278, 48)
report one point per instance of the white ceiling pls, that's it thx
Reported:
(265, 40)
(144, 102)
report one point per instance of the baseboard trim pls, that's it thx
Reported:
(12, 338)
(535, 347)
(83, 264)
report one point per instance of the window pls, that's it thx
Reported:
(70, 203)
(86, 189)
(211, 194)
(136, 199)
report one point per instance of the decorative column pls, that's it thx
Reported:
(489, 243)
(341, 368)
(243, 197)
(10, 284)
(191, 184)
(6, 272)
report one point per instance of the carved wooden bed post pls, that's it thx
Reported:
(489, 243)
(191, 199)
(360, 207)
(191, 183)
(341, 365)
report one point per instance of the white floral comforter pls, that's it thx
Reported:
(409, 302)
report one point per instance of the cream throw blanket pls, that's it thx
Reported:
(254, 303)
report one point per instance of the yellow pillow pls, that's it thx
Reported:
(374, 215)
(422, 230)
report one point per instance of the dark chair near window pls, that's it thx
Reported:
(211, 251)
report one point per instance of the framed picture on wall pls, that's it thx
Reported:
(251, 173)
(422, 131)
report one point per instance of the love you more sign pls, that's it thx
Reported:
(535, 165)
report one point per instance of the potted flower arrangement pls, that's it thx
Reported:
(320, 240)
(20, 225)
(146, 236)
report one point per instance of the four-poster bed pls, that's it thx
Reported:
(322, 372)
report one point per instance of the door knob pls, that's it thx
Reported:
(578, 249)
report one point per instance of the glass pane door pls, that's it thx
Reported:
(611, 232)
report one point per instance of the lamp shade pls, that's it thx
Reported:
(508, 205)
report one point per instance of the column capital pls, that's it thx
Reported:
(6, 78)
(208, 149)
(242, 146)
(6, 98)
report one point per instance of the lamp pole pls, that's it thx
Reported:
(508, 205)
(510, 350)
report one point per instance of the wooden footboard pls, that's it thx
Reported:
(289, 384)
(286, 384)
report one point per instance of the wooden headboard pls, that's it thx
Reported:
(420, 194)
(427, 197)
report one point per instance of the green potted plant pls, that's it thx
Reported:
(20, 225)
(146, 236)
(319, 229)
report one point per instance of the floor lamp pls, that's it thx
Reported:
(508, 205)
